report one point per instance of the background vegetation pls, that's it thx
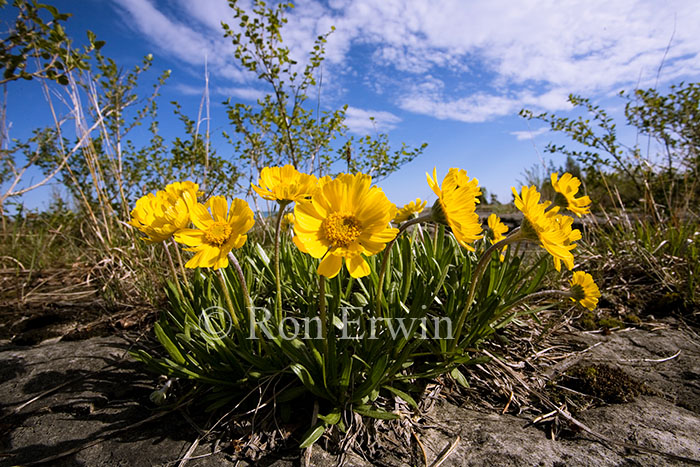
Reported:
(646, 193)
(103, 170)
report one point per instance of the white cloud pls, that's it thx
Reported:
(188, 90)
(244, 93)
(192, 45)
(529, 134)
(503, 55)
(474, 108)
(248, 94)
(364, 122)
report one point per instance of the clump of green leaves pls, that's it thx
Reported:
(37, 48)
(371, 356)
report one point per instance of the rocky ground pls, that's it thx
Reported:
(85, 402)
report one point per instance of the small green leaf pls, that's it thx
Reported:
(374, 413)
(403, 396)
(168, 344)
(261, 253)
(459, 377)
(312, 435)
(332, 418)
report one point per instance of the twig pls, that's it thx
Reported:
(544, 417)
(443, 457)
(422, 448)
(510, 399)
(653, 360)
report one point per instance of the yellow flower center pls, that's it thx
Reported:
(217, 233)
(341, 229)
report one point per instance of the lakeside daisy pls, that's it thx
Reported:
(564, 224)
(408, 210)
(285, 184)
(219, 229)
(287, 221)
(346, 218)
(498, 229)
(162, 214)
(545, 227)
(568, 186)
(175, 190)
(584, 290)
(456, 205)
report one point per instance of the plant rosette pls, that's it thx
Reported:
(344, 306)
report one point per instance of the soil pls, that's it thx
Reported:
(85, 402)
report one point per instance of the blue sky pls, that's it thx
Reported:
(453, 74)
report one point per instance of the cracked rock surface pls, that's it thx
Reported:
(99, 412)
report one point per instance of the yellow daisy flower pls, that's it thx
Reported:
(456, 205)
(568, 186)
(287, 221)
(159, 216)
(406, 212)
(219, 229)
(176, 189)
(584, 290)
(564, 224)
(346, 218)
(285, 184)
(499, 229)
(544, 227)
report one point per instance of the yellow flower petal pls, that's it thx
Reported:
(162, 214)
(330, 265)
(553, 230)
(190, 237)
(357, 266)
(285, 184)
(218, 206)
(408, 210)
(498, 229)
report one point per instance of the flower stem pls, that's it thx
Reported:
(387, 251)
(182, 266)
(410, 269)
(246, 298)
(541, 293)
(241, 279)
(514, 236)
(322, 314)
(172, 268)
(436, 231)
(227, 297)
(278, 282)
